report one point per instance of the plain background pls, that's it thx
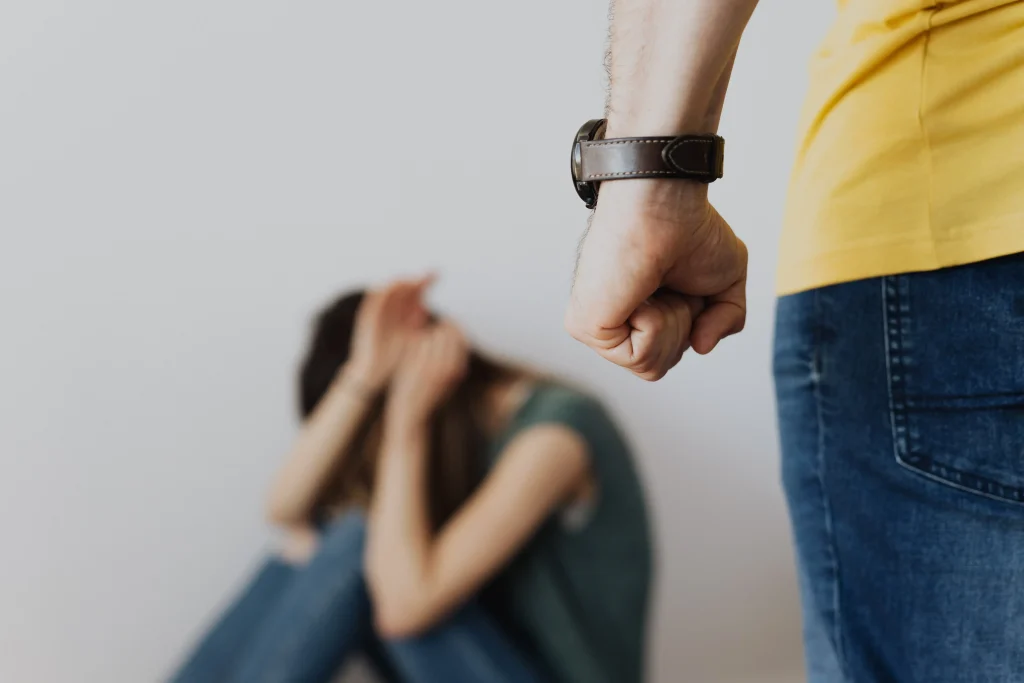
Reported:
(182, 184)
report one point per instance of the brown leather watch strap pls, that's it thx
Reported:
(697, 157)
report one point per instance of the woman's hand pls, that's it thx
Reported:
(433, 364)
(387, 320)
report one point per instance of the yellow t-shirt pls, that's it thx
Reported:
(911, 151)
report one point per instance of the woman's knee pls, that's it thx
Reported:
(466, 646)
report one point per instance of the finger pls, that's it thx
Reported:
(613, 277)
(371, 302)
(402, 301)
(413, 309)
(461, 353)
(694, 305)
(415, 292)
(422, 354)
(725, 315)
(389, 298)
(659, 334)
(679, 312)
(424, 283)
(438, 343)
(454, 351)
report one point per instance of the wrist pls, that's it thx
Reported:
(669, 196)
(674, 169)
(361, 378)
(402, 428)
(659, 124)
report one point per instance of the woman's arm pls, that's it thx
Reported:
(386, 320)
(317, 452)
(416, 576)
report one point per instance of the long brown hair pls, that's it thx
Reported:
(458, 434)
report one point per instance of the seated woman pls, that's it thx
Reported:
(455, 519)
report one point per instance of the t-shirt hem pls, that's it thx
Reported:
(847, 265)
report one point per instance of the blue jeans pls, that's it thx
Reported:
(901, 412)
(299, 624)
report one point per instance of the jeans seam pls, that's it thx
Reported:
(892, 320)
(837, 632)
(896, 317)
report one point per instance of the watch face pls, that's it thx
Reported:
(587, 190)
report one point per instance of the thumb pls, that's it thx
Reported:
(725, 315)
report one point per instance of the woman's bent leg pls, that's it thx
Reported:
(468, 647)
(321, 618)
(217, 653)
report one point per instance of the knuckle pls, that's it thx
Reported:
(573, 329)
(651, 375)
(744, 254)
(655, 323)
(644, 363)
(576, 327)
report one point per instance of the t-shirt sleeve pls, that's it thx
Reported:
(579, 412)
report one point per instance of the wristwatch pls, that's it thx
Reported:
(596, 160)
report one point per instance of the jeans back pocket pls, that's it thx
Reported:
(955, 354)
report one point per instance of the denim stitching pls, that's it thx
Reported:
(896, 302)
(979, 486)
(833, 559)
(895, 364)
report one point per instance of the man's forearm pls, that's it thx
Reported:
(670, 64)
(660, 270)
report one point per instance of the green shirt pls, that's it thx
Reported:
(577, 594)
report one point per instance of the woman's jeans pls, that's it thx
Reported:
(299, 624)
(901, 408)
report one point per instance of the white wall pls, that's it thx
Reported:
(182, 183)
